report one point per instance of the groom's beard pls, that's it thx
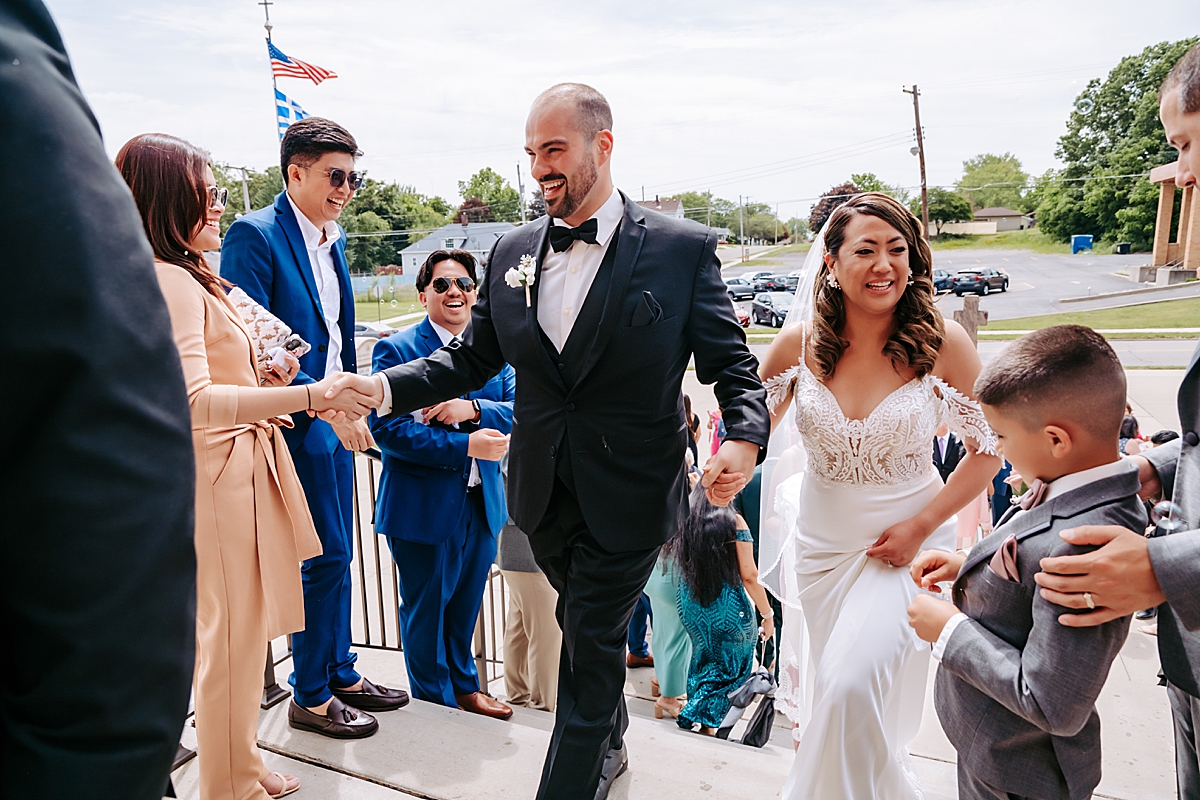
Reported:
(577, 189)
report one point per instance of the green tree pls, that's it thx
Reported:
(990, 180)
(797, 228)
(537, 205)
(264, 186)
(708, 209)
(944, 206)
(870, 182)
(1113, 131)
(829, 201)
(490, 187)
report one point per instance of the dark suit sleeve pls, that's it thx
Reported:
(400, 436)
(1054, 681)
(246, 262)
(722, 357)
(455, 370)
(98, 597)
(1176, 563)
(498, 414)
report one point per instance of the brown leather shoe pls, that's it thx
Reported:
(339, 721)
(633, 662)
(480, 703)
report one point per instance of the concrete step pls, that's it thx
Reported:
(429, 751)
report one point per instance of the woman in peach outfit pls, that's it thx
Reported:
(252, 522)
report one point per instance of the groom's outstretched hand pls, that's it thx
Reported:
(729, 470)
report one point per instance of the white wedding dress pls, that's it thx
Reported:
(853, 673)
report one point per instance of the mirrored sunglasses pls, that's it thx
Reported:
(339, 176)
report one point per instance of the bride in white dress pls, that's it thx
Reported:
(872, 370)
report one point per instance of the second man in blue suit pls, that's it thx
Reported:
(441, 495)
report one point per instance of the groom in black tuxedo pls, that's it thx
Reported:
(621, 301)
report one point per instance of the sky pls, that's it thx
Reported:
(776, 102)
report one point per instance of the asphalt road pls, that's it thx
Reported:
(1037, 281)
(1135, 353)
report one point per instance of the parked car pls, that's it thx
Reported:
(790, 283)
(372, 330)
(743, 316)
(771, 308)
(942, 281)
(739, 289)
(979, 281)
(771, 283)
(752, 277)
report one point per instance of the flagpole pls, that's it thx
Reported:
(266, 4)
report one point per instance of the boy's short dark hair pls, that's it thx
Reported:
(307, 140)
(1163, 436)
(1067, 372)
(425, 273)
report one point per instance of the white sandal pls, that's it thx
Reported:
(290, 784)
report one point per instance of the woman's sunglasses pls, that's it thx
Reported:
(217, 196)
(339, 176)
(442, 285)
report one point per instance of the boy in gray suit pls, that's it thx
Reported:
(1016, 690)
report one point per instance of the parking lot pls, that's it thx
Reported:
(1038, 281)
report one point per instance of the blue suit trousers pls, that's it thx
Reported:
(321, 656)
(441, 588)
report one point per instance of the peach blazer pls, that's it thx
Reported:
(246, 483)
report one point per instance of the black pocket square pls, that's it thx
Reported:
(647, 312)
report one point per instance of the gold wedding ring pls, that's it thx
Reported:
(1087, 598)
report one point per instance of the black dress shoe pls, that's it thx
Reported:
(616, 763)
(372, 697)
(339, 721)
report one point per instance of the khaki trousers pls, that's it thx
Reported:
(532, 641)
(231, 648)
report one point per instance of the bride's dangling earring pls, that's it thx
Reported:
(832, 280)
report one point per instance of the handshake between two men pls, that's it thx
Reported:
(345, 399)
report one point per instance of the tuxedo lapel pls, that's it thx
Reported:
(295, 239)
(630, 234)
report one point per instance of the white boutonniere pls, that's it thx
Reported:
(524, 274)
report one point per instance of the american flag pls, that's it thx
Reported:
(284, 67)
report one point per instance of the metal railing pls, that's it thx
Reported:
(375, 621)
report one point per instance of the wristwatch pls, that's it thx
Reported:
(478, 410)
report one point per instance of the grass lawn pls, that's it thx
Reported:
(1033, 240)
(799, 247)
(372, 311)
(1167, 314)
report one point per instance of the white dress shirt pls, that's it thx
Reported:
(566, 277)
(563, 282)
(446, 337)
(1056, 488)
(320, 258)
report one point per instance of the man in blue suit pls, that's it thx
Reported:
(441, 495)
(291, 258)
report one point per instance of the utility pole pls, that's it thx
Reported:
(741, 229)
(521, 189)
(777, 223)
(245, 190)
(708, 209)
(916, 95)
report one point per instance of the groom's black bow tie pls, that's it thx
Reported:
(561, 237)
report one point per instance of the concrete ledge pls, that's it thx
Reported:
(1180, 290)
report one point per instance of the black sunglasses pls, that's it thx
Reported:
(339, 176)
(442, 285)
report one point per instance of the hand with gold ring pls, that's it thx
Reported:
(1107, 583)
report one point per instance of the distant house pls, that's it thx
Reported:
(1005, 218)
(476, 238)
(671, 207)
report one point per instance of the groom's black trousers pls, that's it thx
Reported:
(597, 593)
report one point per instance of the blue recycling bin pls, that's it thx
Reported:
(1080, 242)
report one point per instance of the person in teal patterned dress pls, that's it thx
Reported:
(718, 594)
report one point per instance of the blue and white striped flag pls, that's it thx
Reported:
(288, 111)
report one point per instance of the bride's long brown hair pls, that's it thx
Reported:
(917, 326)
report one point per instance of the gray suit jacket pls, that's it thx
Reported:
(1176, 559)
(1016, 690)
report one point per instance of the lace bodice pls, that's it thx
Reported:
(893, 445)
